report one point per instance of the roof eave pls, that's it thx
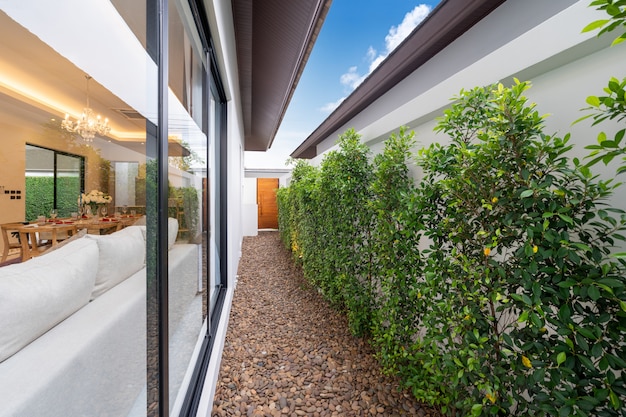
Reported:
(274, 41)
(449, 20)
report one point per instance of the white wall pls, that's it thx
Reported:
(250, 208)
(221, 23)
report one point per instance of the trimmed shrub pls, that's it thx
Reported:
(517, 306)
(526, 307)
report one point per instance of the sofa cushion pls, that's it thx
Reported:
(172, 232)
(132, 230)
(121, 255)
(38, 294)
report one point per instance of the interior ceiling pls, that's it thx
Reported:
(32, 72)
(38, 85)
(274, 40)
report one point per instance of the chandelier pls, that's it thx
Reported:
(88, 124)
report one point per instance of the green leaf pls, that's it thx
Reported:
(586, 333)
(618, 40)
(615, 401)
(611, 282)
(595, 25)
(477, 409)
(526, 193)
(536, 320)
(582, 246)
(524, 317)
(566, 219)
(593, 292)
(560, 358)
(587, 363)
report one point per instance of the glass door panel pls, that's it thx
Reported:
(187, 174)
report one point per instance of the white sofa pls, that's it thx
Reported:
(73, 324)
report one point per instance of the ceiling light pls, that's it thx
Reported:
(88, 124)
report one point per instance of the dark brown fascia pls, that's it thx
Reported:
(274, 41)
(449, 20)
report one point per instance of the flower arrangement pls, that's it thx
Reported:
(95, 200)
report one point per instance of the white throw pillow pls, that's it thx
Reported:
(121, 255)
(38, 294)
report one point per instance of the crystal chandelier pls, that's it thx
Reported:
(88, 124)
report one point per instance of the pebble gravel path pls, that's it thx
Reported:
(288, 353)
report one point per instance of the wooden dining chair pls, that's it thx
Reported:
(10, 239)
(31, 238)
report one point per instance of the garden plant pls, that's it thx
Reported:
(515, 304)
(612, 105)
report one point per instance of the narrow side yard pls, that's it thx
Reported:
(288, 353)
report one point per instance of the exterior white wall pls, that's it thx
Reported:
(221, 23)
(563, 65)
(250, 208)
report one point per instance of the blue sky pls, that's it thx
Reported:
(355, 37)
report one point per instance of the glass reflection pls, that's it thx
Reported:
(80, 314)
(187, 178)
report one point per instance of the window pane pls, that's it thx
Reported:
(39, 182)
(187, 176)
(68, 183)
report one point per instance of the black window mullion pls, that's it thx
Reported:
(54, 179)
(162, 209)
(157, 342)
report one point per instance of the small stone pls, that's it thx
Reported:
(288, 353)
(282, 402)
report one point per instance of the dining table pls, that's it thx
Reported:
(105, 225)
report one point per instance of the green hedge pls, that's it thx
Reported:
(515, 305)
(40, 196)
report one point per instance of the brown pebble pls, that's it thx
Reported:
(287, 352)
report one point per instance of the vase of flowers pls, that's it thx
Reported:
(95, 200)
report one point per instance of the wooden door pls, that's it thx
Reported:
(266, 201)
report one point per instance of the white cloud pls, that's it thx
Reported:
(398, 33)
(329, 107)
(375, 63)
(371, 53)
(352, 79)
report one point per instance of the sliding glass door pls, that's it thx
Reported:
(123, 111)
